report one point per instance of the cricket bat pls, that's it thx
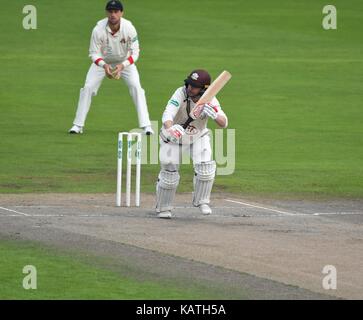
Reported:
(208, 95)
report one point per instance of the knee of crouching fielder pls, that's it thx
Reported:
(88, 90)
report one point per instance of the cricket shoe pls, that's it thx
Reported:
(75, 129)
(205, 209)
(164, 215)
(148, 130)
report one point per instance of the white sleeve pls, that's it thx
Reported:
(220, 112)
(134, 47)
(172, 107)
(95, 49)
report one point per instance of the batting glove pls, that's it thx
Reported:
(210, 111)
(174, 133)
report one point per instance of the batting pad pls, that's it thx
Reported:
(165, 189)
(203, 182)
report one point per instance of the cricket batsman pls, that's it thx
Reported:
(194, 140)
(114, 49)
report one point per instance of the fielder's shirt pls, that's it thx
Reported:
(114, 48)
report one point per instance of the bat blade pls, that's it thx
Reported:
(210, 93)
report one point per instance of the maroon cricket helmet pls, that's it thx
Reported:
(198, 78)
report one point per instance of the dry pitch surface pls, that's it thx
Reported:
(248, 248)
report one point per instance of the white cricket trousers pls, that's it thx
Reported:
(94, 79)
(199, 151)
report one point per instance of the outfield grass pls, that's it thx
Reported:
(61, 276)
(295, 99)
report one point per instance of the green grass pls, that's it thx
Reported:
(61, 276)
(295, 99)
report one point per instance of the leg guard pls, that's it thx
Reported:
(203, 182)
(168, 181)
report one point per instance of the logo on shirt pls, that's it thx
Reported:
(174, 102)
(195, 76)
(191, 130)
(123, 41)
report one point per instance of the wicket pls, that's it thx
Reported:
(129, 135)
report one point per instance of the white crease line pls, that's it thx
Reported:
(70, 215)
(265, 208)
(57, 215)
(336, 213)
(40, 206)
(21, 213)
(62, 207)
(107, 207)
(9, 215)
(213, 207)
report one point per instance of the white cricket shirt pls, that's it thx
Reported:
(176, 111)
(114, 48)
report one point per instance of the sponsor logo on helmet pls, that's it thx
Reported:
(195, 76)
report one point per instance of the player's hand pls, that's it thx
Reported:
(116, 72)
(210, 111)
(174, 133)
(108, 71)
(196, 112)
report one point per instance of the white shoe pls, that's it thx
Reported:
(205, 209)
(76, 129)
(148, 130)
(164, 215)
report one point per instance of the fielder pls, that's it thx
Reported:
(194, 140)
(114, 50)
